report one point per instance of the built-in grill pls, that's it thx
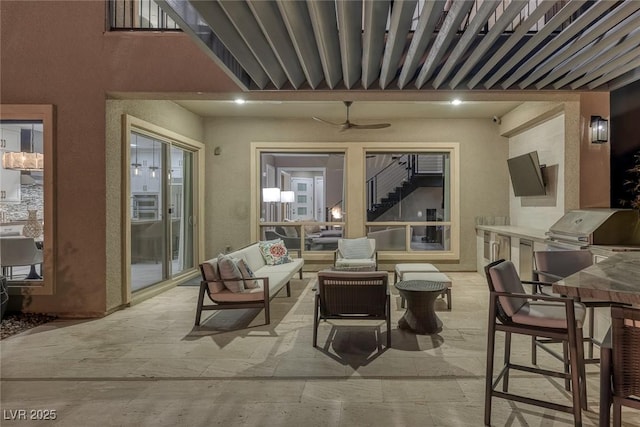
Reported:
(585, 227)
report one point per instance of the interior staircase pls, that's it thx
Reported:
(397, 181)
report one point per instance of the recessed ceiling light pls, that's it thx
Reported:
(239, 101)
(456, 102)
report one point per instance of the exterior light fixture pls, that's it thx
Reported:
(456, 102)
(239, 101)
(599, 130)
(24, 160)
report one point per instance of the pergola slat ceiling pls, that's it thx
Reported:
(418, 44)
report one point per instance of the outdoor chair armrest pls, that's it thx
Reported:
(554, 277)
(537, 297)
(537, 285)
(264, 280)
(568, 302)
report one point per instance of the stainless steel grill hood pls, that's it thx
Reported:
(586, 227)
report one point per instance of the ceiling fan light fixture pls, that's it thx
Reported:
(347, 124)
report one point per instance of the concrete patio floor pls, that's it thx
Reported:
(148, 365)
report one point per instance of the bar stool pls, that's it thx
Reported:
(513, 311)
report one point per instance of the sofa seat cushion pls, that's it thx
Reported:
(226, 296)
(276, 280)
(290, 267)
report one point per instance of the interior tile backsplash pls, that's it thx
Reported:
(32, 197)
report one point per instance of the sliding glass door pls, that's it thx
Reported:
(181, 210)
(161, 206)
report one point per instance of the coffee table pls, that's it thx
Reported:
(420, 296)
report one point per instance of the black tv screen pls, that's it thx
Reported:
(526, 175)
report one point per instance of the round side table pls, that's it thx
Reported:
(420, 296)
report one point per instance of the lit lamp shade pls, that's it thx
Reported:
(336, 212)
(22, 161)
(271, 194)
(287, 196)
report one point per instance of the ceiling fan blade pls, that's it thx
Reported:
(326, 121)
(371, 126)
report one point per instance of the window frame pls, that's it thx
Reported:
(134, 124)
(452, 149)
(355, 224)
(44, 113)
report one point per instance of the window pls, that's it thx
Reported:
(406, 198)
(409, 189)
(26, 197)
(316, 180)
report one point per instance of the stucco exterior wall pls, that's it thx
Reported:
(595, 182)
(58, 53)
(483, 154)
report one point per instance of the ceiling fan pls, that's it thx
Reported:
(346, 125)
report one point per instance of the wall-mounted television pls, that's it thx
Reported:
(526, 175)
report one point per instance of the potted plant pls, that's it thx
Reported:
(632, 184)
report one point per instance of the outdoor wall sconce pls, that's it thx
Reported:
(599, 130)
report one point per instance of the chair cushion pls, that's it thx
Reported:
(505, 279)
(547, 314)
(356, 248)
(348, 262)
(274, 252)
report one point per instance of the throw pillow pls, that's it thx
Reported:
(274, 252)
(356, 248)
(230, 274)
(247, 275)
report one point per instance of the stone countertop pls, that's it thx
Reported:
(516, 231)
(616, 279)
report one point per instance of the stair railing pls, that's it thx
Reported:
(391, 176)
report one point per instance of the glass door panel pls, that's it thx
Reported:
(148, 228)
(181, 210)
